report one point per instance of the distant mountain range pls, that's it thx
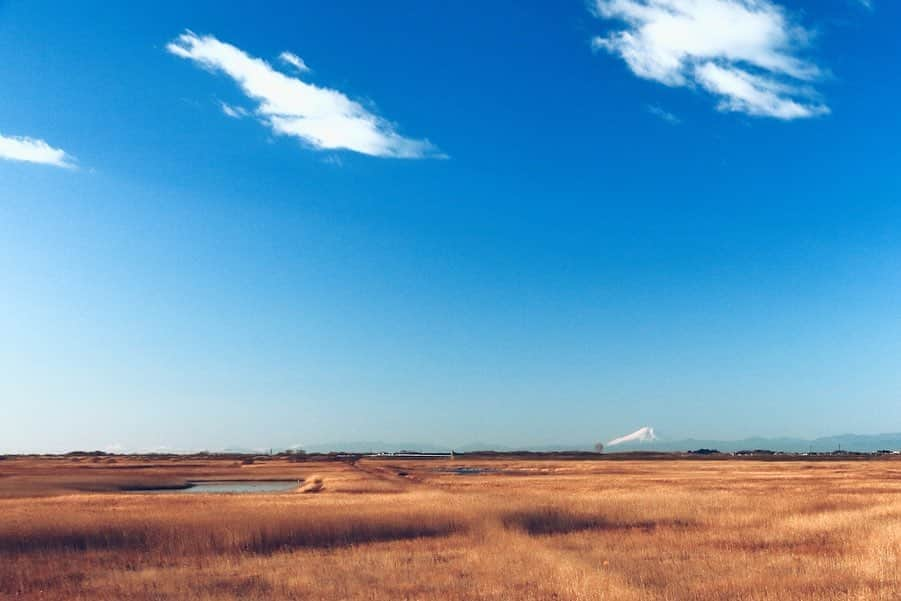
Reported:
(644, 439)
(845, 442)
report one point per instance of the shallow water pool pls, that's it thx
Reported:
(230, 487)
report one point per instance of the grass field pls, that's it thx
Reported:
(383, 529)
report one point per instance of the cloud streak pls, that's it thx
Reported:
(323, 118)
(663, 114)
(295, 61)
(743, 52)
(235, 112)
(32, 150)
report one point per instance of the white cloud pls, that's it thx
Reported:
(324, 118)
(743, 51)
(753, 94)
(295, 61)
(31, 150)
(664, 114)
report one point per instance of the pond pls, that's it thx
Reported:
(466, 470)
(230, 487)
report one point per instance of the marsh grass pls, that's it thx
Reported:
(203, 530)
(559, 530)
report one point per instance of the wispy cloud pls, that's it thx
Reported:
(295, 61)
(235, 112)
(663, 114)
(323, 118)
(32, 150)
(744, 52)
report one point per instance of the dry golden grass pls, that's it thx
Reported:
(389, 530)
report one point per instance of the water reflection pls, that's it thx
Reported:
(231, 487)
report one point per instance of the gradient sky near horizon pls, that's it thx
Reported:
(522, 223)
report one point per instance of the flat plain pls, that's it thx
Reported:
(468, 528)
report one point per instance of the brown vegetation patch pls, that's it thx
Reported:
(263, 532)
(88, 537)
(339, 533)
(554, 520)
(820, 545)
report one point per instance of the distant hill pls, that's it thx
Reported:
(374, 446)
(644, 439)
(847, 442)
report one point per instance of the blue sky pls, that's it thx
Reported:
(526, 224)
